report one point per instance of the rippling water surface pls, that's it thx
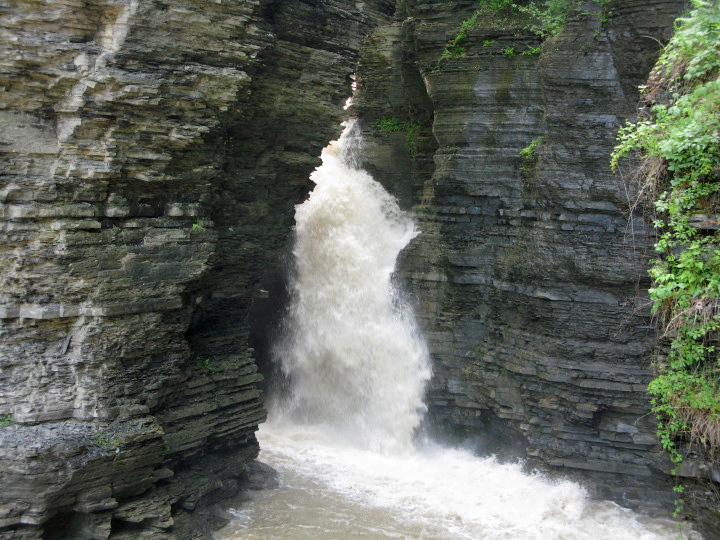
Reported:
(332, 491)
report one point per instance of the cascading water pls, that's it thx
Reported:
(353, 357)
(356, 367)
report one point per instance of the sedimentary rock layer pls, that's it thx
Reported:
(529, 273)
(151, 155)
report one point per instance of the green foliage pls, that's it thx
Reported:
(531, 51)
(454, 49)
(604, 10)
(546, 18)
(549, 16)
(105, 440)
(678, 138)
(197, 227)
(411, 130)
(6, 420)
(529, 157)
(393, 125)
(388, 125)
(679, 501)
(530, 151)
(496, 5)
(204, 363)
(695, 44)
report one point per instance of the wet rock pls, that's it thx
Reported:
(152, 154)
(528, 274)
(260, 475)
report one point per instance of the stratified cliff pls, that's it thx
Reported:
(529, 275)
(152, 151)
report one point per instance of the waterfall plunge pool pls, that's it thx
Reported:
(331, 490)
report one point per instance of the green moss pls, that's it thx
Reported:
(6, 420)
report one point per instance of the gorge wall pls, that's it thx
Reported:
(529, 274)
(152, 151)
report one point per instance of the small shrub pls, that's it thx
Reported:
(388, 125)
(529, 157)
(530, 151)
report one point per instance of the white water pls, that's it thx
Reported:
(352, 353)
(335, 491)
(342, 438)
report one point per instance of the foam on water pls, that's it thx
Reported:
(332, 490)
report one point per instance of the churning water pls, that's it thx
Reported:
(342, 436)
(352, 355)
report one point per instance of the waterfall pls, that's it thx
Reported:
(352, 354)
(356, 369)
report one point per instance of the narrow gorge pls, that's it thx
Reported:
(153, 152)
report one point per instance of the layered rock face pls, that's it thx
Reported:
(152, 152)
(151, 155)
(529, 274)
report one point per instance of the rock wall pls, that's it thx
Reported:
(529, 275)
(152, 151)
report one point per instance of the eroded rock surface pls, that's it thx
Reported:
(529, 275)
(152, 151)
